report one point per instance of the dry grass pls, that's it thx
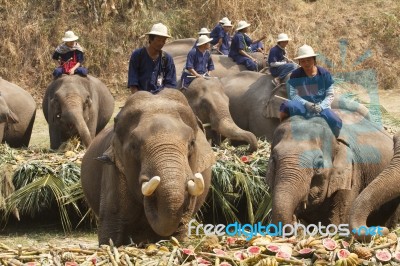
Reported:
(32, 29)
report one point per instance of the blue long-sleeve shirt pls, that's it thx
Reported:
(200, 62)
(318, 89)
(151, 75)
(238, 43)
(217, 33)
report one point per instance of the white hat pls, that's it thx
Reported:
(282, 38)
(242, 24)
(224, 20)
(69, 36)
(227, 24)
(159, 29)
(204, 31)
(305, 51)
(203, 39)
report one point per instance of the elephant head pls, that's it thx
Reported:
(163, 156)
(210, 103)
(308, 167)
(383, 189)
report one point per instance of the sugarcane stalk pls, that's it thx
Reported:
(110, 255)
(384, 245)
(116, 255)
(171, 257)
(128, 259)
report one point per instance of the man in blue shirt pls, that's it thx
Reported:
(226, 39)
(199, 62)
(217, 34)
(311, 91)
(279, 64)
(150, 68)
(240, 51)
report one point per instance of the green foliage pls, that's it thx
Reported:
(239, 178)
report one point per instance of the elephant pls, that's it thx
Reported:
(254, 106)
(211, 105)
(179, 47)
(76, 106)
(315, 176)
(383, 190)
(17, 115)
(146, 176)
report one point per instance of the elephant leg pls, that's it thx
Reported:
(28, 132)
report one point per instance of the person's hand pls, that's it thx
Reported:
(317, 108)
(309, 106)
(71, 71)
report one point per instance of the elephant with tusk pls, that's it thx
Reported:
(147, 176)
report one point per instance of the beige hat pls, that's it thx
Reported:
(227, 24)
(305, 51)
(203, 39)
(204, 31)
(282, 38)
(159, 29)
(242, 24)
(69, 36)
(224, 20)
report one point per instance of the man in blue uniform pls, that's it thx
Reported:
(311, 91)
(217, 34)
(226, 39)
(199, 62)
(150, 68)
(279, 64)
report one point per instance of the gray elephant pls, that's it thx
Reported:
(153, 170)
(254, 106)
(211, 105)
(180, 47)
(76, 106)
(17, 115)
(381, 195)
(317, 177)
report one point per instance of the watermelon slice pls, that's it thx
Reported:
(343, 254)
(254, 250)
(329, 243)
(383, 255)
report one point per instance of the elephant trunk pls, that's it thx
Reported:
(167, 200)
(384, 188)
(227, 128)
(75, 117)
(289, 190)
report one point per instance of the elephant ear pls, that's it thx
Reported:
(342, 172)
(203, 156)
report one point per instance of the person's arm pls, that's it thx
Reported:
(259, 40)
(210, 64)
(244, 53)
(329, 97)
(293, 95)
(133, 72)
(190, 63)
(242, 49)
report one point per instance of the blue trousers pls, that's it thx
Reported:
(297, 108)
(283, 70)
(80, 70)
(243, 60)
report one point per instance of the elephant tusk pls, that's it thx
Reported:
(196, 186)
(149, 187)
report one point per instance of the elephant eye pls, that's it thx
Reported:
(191, 146)
(58, 115)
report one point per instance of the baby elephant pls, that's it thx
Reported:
(153, 170)
(17, 115)
(76, 106)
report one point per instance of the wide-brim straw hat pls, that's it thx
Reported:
(203, 39)
(305, 51)
(204, 31)
(242, 24)
(69, 36)
(283, 38)
(159, 29)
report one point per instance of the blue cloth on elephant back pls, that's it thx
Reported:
(239, 43)
(201, 63)
(151, 75)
